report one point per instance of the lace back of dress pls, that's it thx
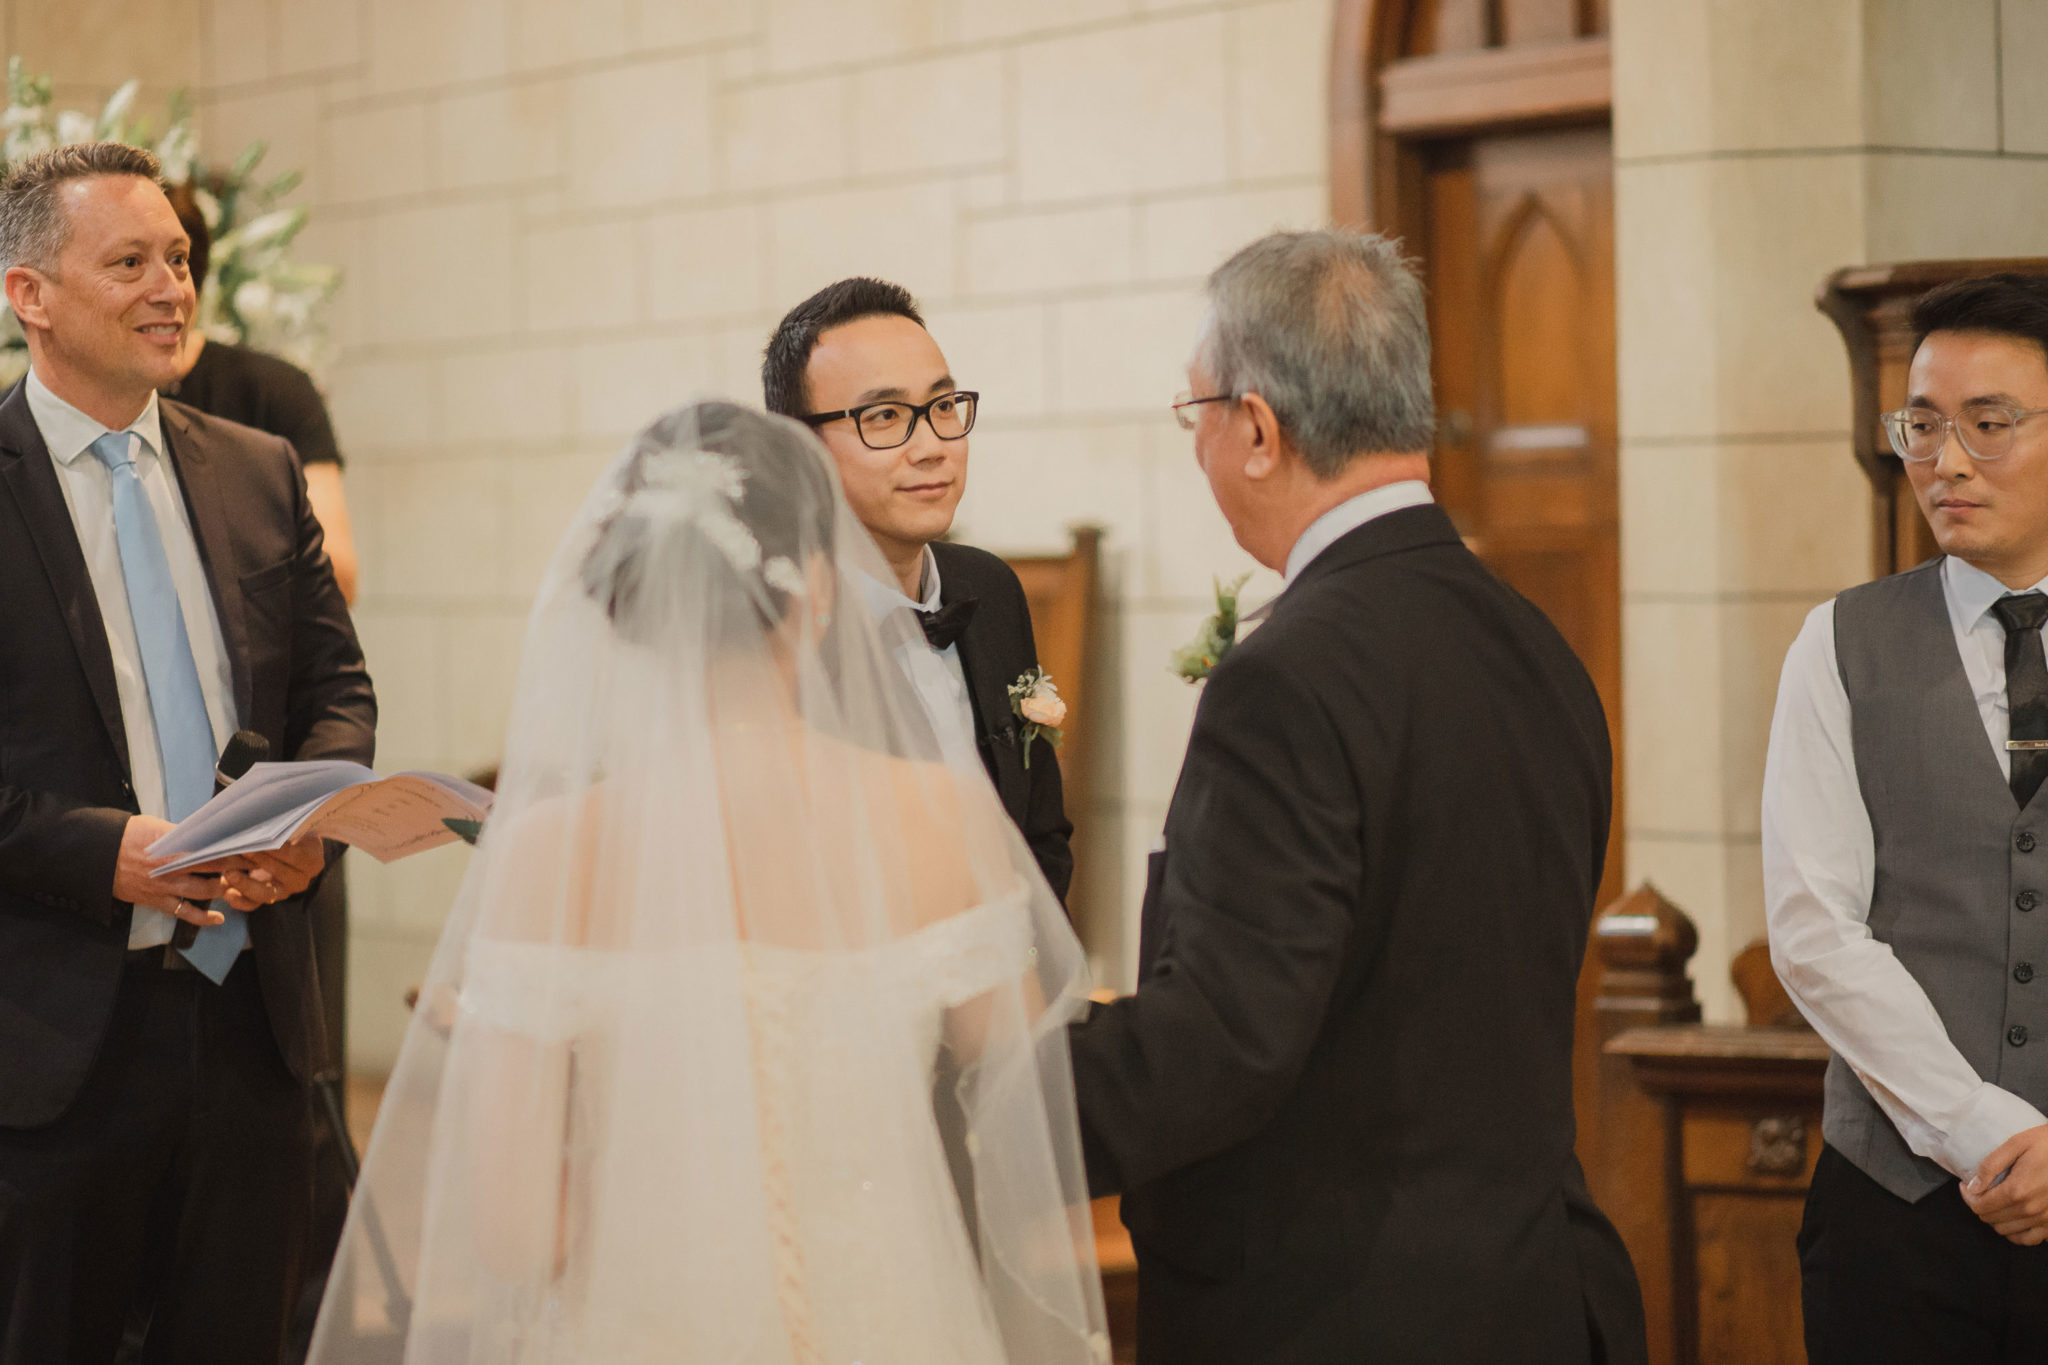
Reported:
(769, 1025)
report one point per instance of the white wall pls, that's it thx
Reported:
(558, 218)
(1759, 146)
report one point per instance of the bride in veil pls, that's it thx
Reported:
(669, 1091)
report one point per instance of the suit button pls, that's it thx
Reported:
(2017, 1035)
(2026, 900)
(2025, 841)
(2023, 973)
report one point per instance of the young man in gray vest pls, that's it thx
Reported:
(1905, 847)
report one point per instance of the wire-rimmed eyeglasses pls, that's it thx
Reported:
(1984, 429)
(1185, 403)
(891, 422)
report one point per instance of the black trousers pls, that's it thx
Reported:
(177, 1187)
(328, 910)
(1886, 1281)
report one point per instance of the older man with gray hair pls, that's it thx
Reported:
(1339, 1106)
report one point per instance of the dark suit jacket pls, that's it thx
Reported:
(995, 650)
(65, 790)
(1339, 1106)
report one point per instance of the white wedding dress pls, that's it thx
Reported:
(745, 1039)
(873, 1251)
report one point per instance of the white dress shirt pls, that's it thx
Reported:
(1346, 517)
(88, 493)
(1819, 864)
(937, 674)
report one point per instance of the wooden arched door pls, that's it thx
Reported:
(1479, 132)
(1517, 242)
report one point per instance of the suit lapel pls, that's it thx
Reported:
(987, 690)
(29, 473)
(207, 507)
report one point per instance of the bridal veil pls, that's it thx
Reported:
(745, 1039)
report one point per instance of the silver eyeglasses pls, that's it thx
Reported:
(1185, 405)
(1985, 430)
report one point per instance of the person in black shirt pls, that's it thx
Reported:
(273, 395)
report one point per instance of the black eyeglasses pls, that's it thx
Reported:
(889, 423)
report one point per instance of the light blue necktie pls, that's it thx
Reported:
(184, 735)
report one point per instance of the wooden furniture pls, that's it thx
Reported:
(1639, 954)
(1707, 1162)
(1064, 592)
(1065, 595)
(1743, 1111)
(1872, 307)
(1118, 1261)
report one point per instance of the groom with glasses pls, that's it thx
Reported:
(855, 364)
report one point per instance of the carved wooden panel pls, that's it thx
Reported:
(1539, 21)
(1642, 945)
(1742, 1109)
(1064, 594)
(1439, 26)
(1519, 259)
(1449, 26)
(1748, 1278)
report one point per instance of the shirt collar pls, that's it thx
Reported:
(883, 598)
(1346, 517)
(1971, 592)
(69, 433)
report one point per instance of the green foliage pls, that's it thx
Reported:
(255, 294)
(1196, 659)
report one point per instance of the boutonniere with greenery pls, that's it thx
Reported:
(1196, 659)
(1035, 700)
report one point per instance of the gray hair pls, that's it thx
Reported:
(1329, 328)
(33, 225)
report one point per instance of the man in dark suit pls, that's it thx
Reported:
(1339, 1106)
(855, 363)
(162, 585)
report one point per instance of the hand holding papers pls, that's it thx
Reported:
(276, 803)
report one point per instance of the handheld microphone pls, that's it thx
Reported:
(245, 750)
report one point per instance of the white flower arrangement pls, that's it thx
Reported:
(254, 293)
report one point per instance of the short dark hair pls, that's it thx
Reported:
(789, 349)
(33, 226)
(2006, 304)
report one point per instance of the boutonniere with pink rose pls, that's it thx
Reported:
(1035, 700)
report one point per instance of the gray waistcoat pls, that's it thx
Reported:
(1960, 868)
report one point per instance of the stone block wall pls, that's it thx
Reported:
(1758, 147)
(558, 217)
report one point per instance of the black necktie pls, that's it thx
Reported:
(943, 628)
(2026, 690)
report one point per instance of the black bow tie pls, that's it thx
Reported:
(944, 627)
